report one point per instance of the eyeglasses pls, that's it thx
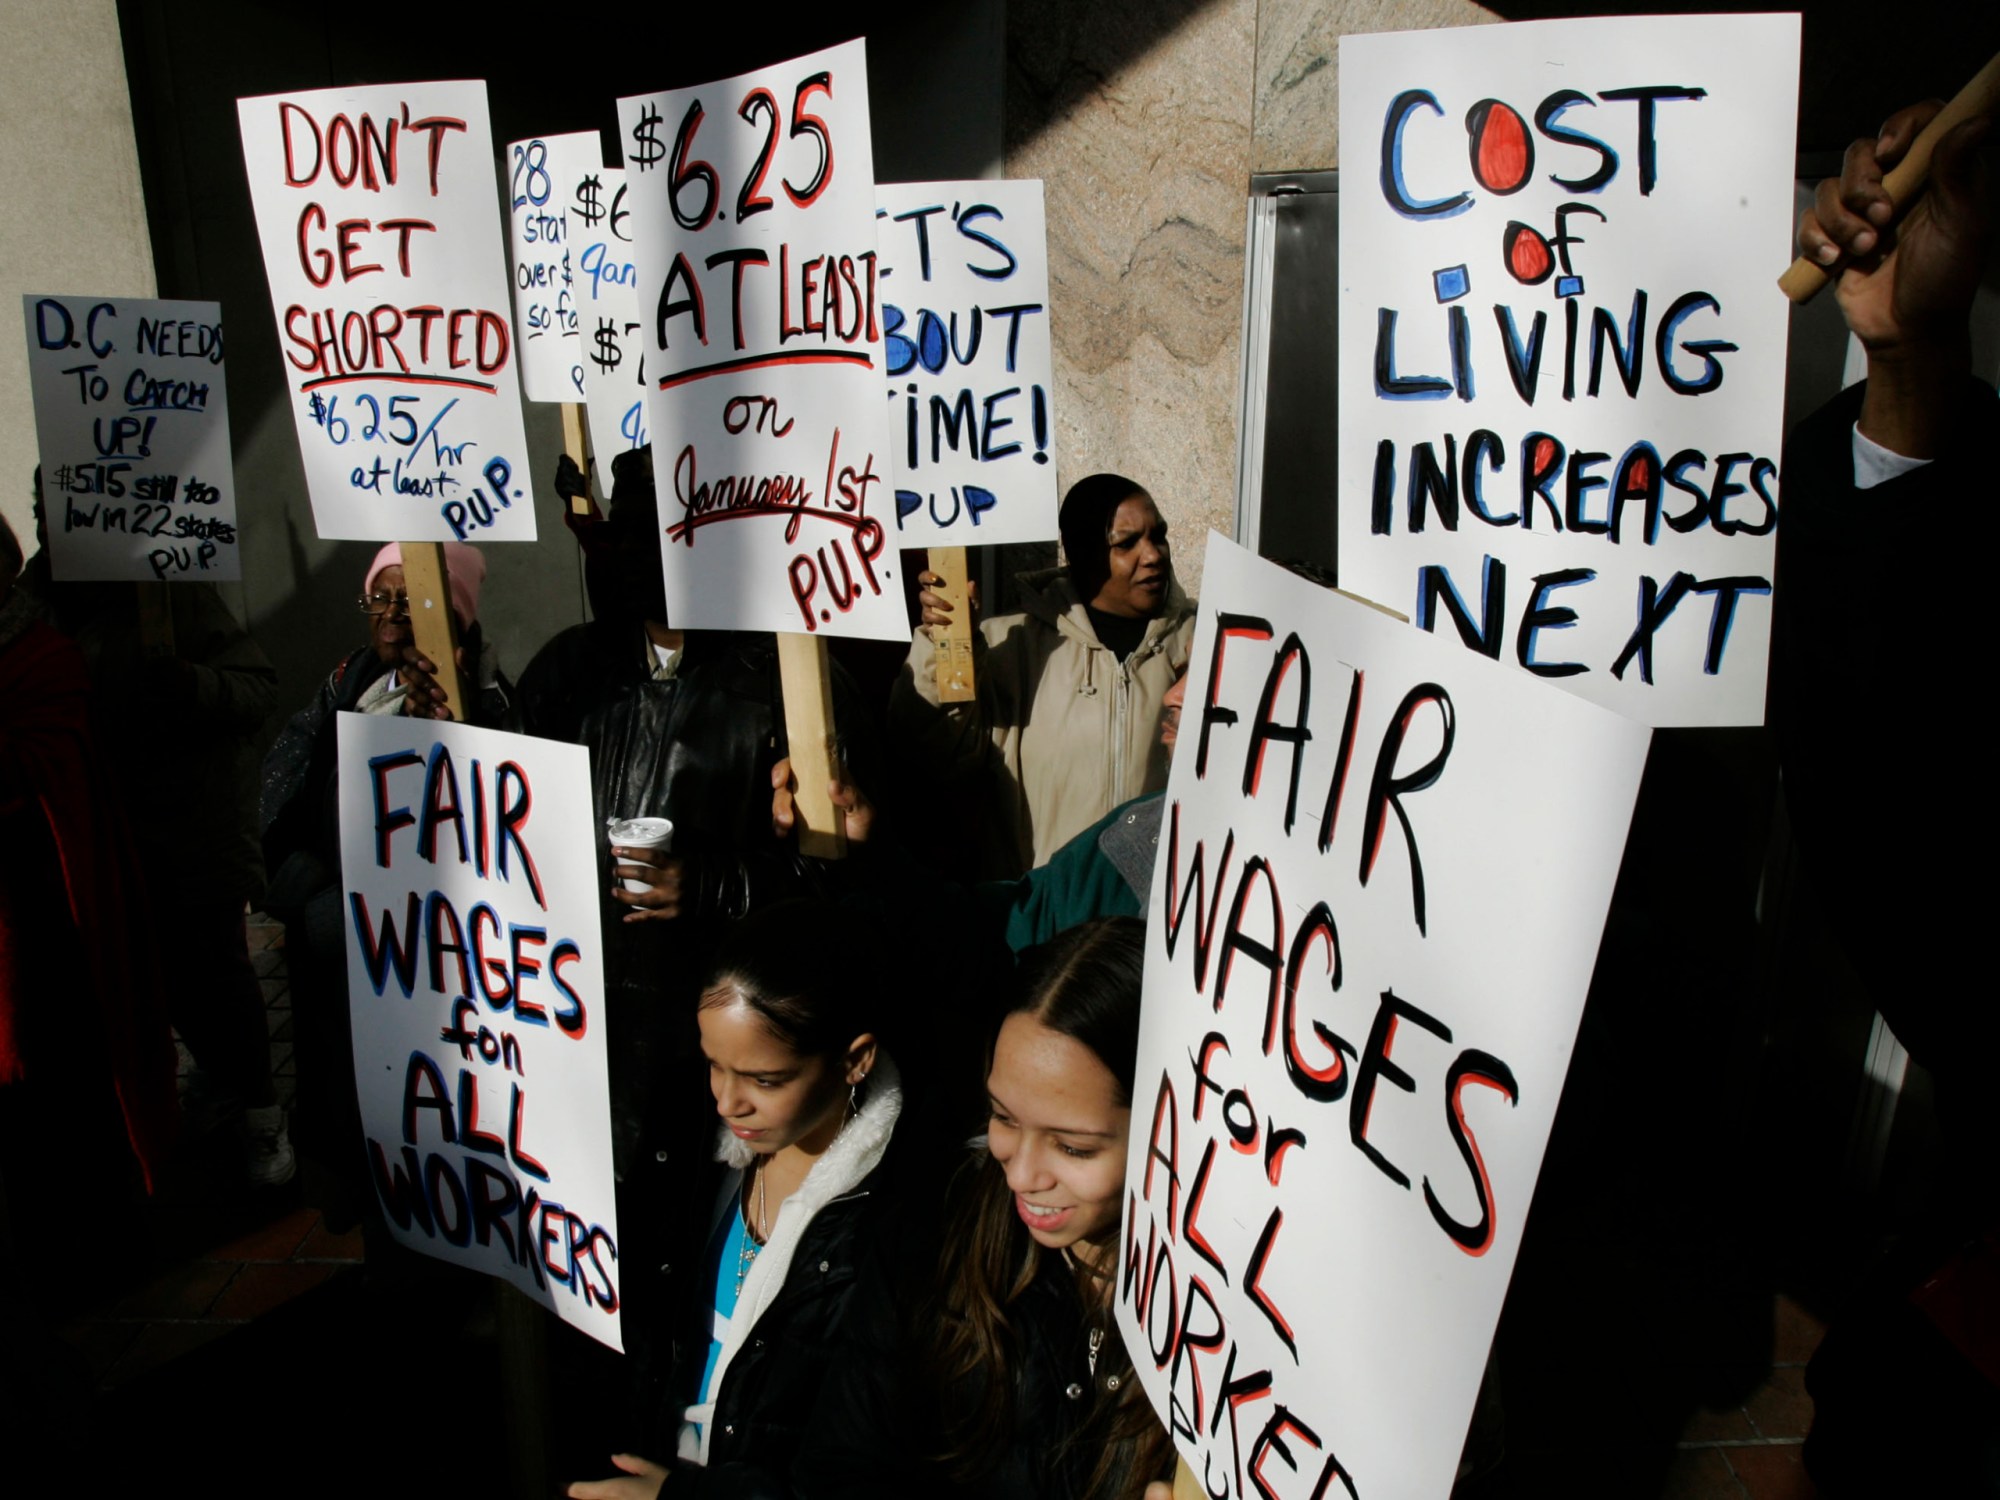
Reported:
(382, 604)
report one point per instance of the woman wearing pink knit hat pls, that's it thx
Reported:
(301, 848)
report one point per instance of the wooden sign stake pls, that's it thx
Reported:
(576, 443)
(806, 679)
(432, 623)
(1807, 278)
(954, 649)
(156, 620)
(1186, 1486)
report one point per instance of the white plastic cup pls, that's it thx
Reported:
(640, 833)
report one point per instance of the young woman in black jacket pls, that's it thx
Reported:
(809, 1101)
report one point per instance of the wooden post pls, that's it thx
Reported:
(432, 624)
(1186, 1486)
(1806, 278)
(576, 443)
(954, 648)
(806, 679)
(156, 620)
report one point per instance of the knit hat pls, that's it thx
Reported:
(464, 570)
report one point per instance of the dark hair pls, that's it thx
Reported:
(1084, 984)
(795, 964)
(1085, 524)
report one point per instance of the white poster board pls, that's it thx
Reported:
(753, 215)
(383, 246)
(965, 318)
(132, 425)
(1383, 872)
(541, 236)
(614, 344)
(1562, 357)
(476, 985)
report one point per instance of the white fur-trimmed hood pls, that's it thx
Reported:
(855, 1152)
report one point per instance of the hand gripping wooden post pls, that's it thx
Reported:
(576, 443)
(805, 676)
(1806, 278)
(954, 643)
(432, 623)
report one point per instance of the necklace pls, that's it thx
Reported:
(1096, 1342)
(746, 1254)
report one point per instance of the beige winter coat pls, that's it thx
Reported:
(1062, 731)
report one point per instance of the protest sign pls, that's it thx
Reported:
(132, 424)
(965, 321)
(614, 348)
(753, 217)
(382, 243)
(541, 235)
(1384, 867)
(1562, 363)
(477, 1004)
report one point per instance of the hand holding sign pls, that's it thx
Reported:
(1907, 283)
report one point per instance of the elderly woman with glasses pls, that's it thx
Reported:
(301, 822)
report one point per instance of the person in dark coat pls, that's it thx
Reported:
(1869, 695)
(300, 814)
(805, 1167)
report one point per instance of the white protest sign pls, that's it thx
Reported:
(1562, 359)
(965, 314)
(1383, 871)
(132, 425)
(614, 345)
(383, 247)
(476, 987)
(541, 235)
(753, 214)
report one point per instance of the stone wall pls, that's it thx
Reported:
(1146, 123)
(72, 173)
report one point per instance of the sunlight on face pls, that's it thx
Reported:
(1058, 1127)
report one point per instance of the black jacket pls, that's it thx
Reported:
(1875, 680)
(786, 1356)
(878, 1429)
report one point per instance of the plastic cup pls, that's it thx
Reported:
(640, 833)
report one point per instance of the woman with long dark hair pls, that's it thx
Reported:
(808, 1100)
(1004, 1377)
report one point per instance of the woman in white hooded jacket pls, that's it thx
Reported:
(808, 1099)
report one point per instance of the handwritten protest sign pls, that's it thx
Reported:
(1384, 867)
(541, 235)
(965, 316)
(132, 423)
(476, 987)
(382, 244)
(753, 215)
(1562, 363)
(614, 343)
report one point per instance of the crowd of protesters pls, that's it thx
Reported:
(826, 1291)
